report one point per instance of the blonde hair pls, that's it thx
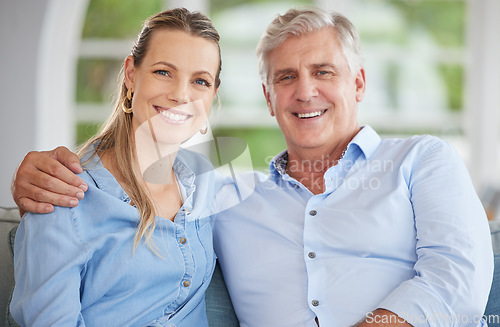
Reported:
(116, 132)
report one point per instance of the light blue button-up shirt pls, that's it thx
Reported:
(81, 271)
(399, 227)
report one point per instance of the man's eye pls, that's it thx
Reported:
(322, 73)
(284, 79)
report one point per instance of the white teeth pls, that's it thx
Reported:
(176, 117)
(310, 114)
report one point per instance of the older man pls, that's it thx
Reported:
(347, 228)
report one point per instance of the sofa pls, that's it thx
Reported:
(219, 308)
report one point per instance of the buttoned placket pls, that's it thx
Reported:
(333, 178)
(187, 187)
(312, 212)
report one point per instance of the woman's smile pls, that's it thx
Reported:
(174, 115)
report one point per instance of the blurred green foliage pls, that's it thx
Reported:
(97, 79)
(454, 77)
(118, 18)
(263, 143)
(445, 20)
(217, 5)
(85, 130)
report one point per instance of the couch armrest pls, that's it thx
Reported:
(9, 218)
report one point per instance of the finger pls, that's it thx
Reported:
(28, 205)
(69, 159)
(42, 187)
(43, 196)
(44, 171)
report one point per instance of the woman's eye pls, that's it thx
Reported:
(162, 72)
(202, 82)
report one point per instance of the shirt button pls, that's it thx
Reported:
(186, 283)
(312, 255)
(313, 212)
(296, 186)
(315, 303)
(182, 240)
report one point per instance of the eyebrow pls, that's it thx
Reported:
(165, 64)
(286, 71)
(283, 72)
(276, 75)
(323, 65)
(174, 67)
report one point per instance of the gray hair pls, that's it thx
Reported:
(299, 21)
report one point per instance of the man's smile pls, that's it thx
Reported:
(307, 115)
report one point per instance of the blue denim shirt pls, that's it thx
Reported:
(75, 266)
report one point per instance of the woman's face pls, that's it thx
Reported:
(174, 86)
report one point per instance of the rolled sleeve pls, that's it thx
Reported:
(454, 268)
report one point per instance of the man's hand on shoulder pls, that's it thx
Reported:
(383, 318)
(47, 178)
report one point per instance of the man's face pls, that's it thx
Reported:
(311, 91)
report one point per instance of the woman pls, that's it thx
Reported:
(138, 249)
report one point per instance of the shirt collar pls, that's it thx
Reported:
(103, 179)
(367, 140)
(279, 162)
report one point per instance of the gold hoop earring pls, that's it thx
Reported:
(127, 102)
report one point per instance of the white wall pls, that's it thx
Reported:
(20, 28)
(40, 41)
(482, 98)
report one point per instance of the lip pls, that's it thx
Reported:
(173, 115)
(310, 114)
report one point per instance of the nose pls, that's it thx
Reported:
(305, 88)
(179, 92)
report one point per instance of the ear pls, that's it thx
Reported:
(360, 85)
(129, 72)
(268, 100)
